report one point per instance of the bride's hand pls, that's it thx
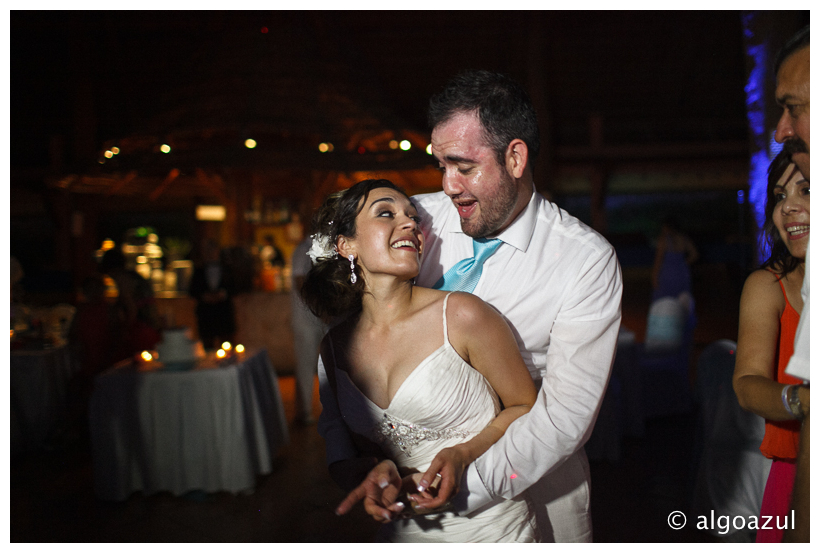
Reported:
(379, 491)
(449, 465)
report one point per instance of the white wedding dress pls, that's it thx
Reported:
(443, 402)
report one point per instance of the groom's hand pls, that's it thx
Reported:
(449, 464)
(379, 491)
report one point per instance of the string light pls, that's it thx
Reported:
(250, 143)
(404, 145)
(165, 148)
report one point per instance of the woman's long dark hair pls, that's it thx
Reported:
(780, 260)
(327, 290)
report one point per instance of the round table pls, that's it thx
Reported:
(212, 428)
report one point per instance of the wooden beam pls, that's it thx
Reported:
(171, 177)
(122, 183)
(215, 184)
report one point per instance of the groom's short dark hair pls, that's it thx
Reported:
(503, 107)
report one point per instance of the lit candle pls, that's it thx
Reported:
(220, 353)
(146, 356)
(240, 348)
(226, 346)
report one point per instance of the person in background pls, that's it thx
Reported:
(137, 326)
(91, 328)
(793, 93)
(91, 339)
(770, 307)
(307, 335)
(674, 254)
(270, 254)
(212, 287)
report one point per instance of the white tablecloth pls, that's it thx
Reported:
(210, 429)
(38, 389)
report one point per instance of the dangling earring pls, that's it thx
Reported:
(353, 278)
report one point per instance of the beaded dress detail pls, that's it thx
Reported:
(405, 435)
(443, 402)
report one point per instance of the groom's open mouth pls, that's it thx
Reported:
(466, 208)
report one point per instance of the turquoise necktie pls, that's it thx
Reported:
(464, 275)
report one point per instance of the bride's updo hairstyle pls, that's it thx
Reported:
(327, 290)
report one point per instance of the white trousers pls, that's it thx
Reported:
(307, 337)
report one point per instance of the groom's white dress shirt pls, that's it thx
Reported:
(558, 284)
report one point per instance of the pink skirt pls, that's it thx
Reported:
(777, 498)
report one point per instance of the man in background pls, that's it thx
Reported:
(793, 95)
(307, 335)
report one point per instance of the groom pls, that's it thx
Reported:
(556, 281)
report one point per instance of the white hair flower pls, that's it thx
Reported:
(321, 248)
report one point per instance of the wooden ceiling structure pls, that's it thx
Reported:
(616, 92)
(245, 88)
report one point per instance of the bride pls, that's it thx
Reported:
(407, 372)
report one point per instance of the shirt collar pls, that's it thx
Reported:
(518, 234)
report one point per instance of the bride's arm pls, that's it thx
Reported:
(482, 337)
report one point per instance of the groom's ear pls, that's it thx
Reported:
(516, 158)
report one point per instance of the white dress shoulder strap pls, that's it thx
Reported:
(444, 318)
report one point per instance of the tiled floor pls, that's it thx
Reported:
(51, 497)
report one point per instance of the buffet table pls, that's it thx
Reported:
(214, 427)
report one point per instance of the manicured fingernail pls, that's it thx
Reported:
(383, 484)
(398, 506)
(422, 485)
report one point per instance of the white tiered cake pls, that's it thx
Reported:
(177, 350)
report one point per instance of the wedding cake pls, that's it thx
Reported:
(177, 349)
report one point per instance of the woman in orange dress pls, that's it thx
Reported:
(770, 309)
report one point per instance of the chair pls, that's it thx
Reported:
(664, 358)
(732, 471)
(620, 413)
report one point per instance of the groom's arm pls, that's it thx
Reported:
(338, 444)
(579, 361)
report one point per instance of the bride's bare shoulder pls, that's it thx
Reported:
(469, 311)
